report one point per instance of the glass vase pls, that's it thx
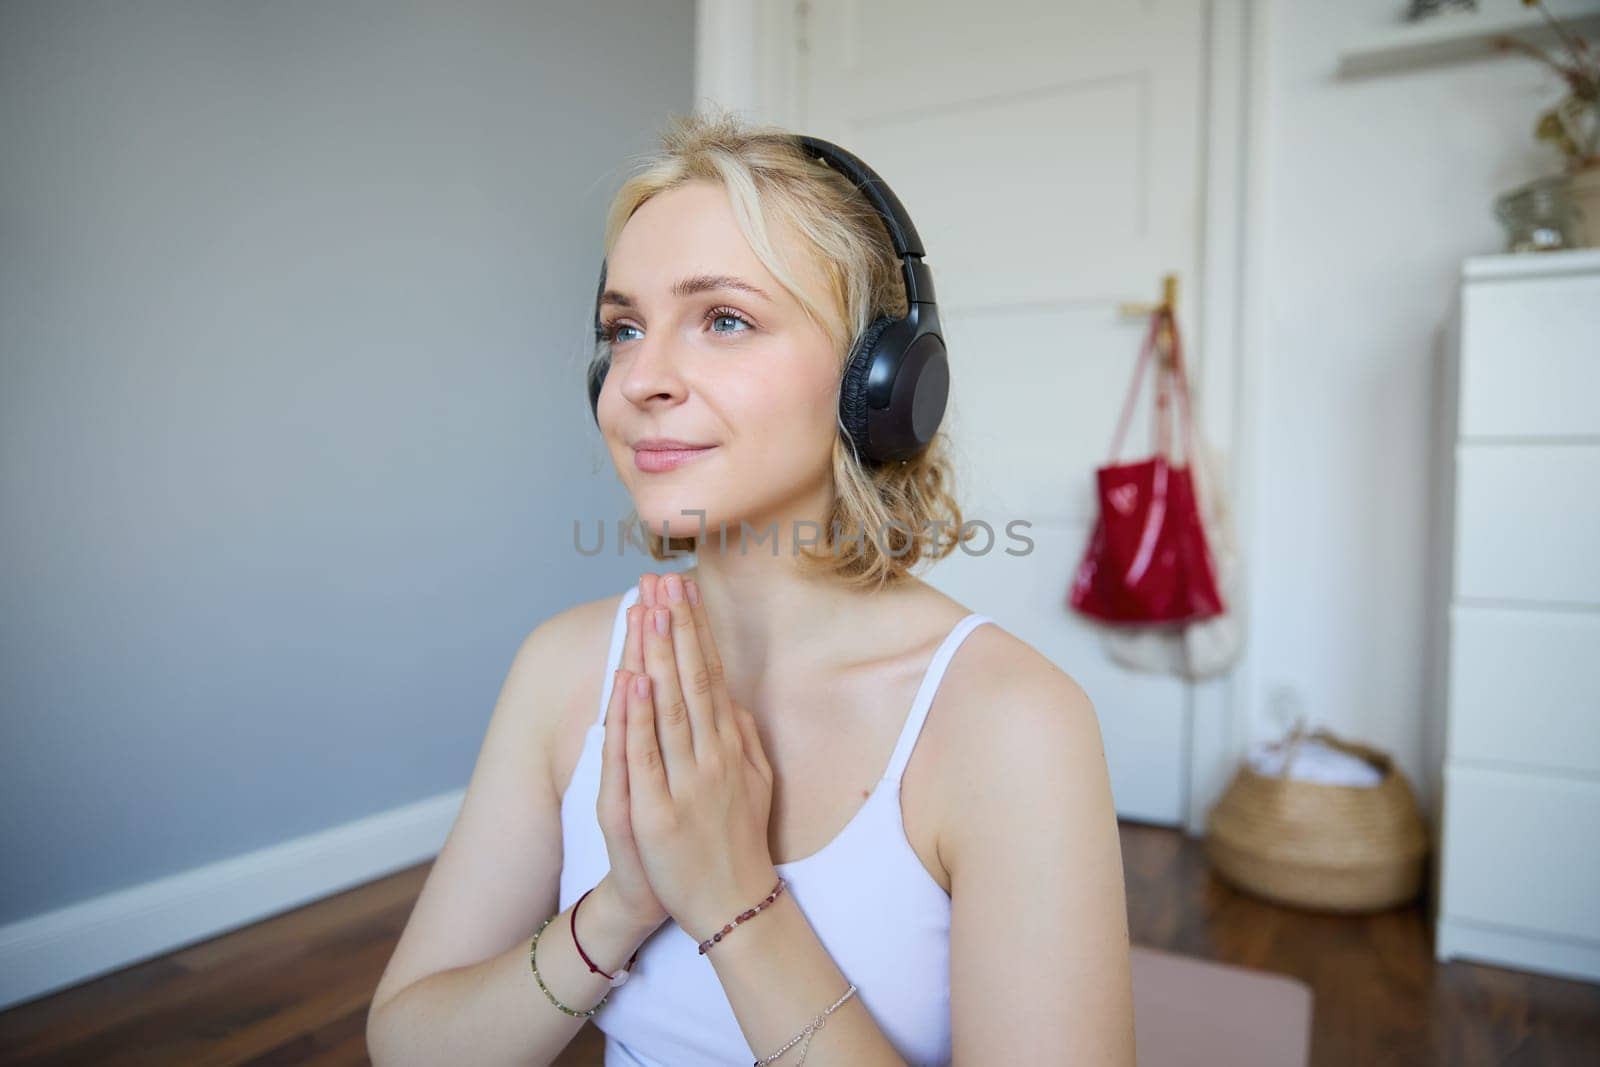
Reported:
(1540, 216)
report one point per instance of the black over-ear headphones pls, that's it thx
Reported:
(897, 380)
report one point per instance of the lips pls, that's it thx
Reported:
(656, 459)
(667, 444)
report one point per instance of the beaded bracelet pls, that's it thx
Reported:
(533, 947)
(743, 916)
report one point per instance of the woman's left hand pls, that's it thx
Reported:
(699, 784)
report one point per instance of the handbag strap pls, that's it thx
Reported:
(1195, 461)
(1179, 373)
(1145, 350)
(1163, 427)
(1170, 374)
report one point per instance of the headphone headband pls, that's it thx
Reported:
(901, 230)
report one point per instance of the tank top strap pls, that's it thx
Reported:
(930, 686)
(619, 633)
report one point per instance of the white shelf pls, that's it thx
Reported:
(1462, 35)
(1531, 264)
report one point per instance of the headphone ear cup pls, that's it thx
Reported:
(853, 388)
(600, 362)
(597, 380)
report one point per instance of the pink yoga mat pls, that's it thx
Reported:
(1196, 1012)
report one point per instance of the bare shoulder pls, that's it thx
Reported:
(568, 652)
(1006, 711)
(999, 663)
(578, 627)
(994, 669)
(991, 662)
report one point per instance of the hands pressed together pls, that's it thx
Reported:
(685, 786)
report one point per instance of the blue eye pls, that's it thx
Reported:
(720, 314)
(610, 330)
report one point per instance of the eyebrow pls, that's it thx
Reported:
(695, 283)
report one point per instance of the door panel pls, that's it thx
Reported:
(1050, 156)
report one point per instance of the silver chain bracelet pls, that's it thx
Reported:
(812, 1027)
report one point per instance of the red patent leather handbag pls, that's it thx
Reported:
(1147, 560)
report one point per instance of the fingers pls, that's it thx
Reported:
(632, 648)
(721, 702)
(696, 682)
(671, 709)
(647, 775)
(613, 755)
(615, 752)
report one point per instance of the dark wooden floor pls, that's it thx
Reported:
(294, 989)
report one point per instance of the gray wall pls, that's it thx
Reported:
(293, 301)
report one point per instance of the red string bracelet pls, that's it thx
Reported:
(622, 975)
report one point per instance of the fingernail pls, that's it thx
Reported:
(646, 593)
(641, 684)
(674, 588)
(661, 621)
(693, 590)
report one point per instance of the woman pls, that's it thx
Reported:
(734, 836)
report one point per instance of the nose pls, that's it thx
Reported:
(650, 372)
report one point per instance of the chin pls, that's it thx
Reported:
(677, 526)
(658, 508)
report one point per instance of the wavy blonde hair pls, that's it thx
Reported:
(884, 519)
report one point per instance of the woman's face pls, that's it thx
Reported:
(698, 359)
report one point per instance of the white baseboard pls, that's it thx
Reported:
(1521, 950)
(61, 948)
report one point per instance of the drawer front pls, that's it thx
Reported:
(1525, 687)
(1519, 850)
(1530, 356)
(1528, 522)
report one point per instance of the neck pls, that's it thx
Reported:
(765, 613)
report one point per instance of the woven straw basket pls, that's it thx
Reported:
(1326, 847)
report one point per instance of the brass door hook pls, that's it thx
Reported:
(1167, 304)
(1169, 299)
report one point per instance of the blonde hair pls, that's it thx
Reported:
(891, 516)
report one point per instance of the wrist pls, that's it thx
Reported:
(751, 896)
(604, 912)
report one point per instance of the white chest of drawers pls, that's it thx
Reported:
(1519, 862)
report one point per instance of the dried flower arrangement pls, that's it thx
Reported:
(1573, 124)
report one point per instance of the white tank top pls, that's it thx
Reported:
(873, 905)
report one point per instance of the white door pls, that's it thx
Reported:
(1050, 155)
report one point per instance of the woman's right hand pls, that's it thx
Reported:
(630, 888)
